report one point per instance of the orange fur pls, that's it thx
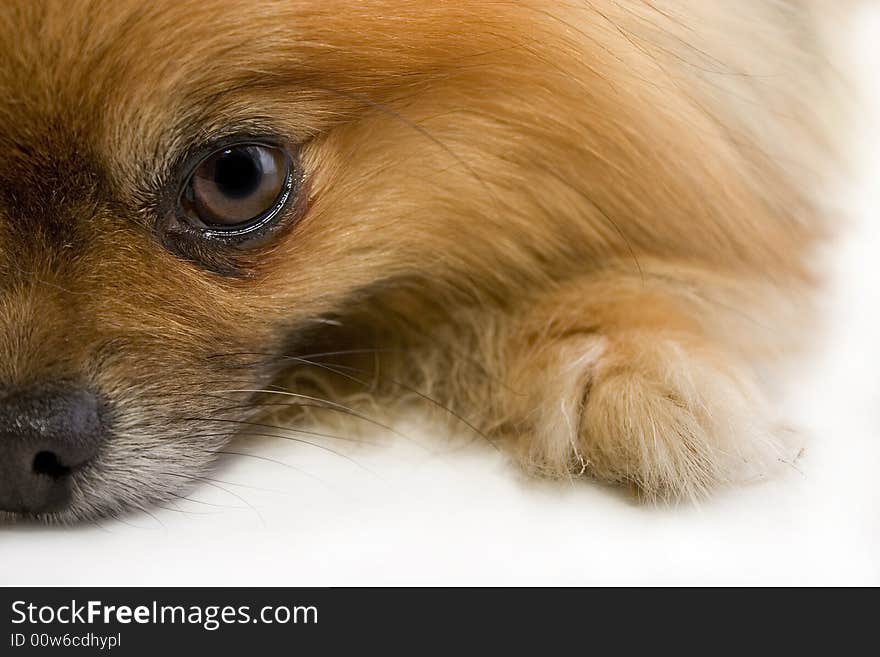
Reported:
(582, 225)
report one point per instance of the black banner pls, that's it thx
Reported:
(257, 621)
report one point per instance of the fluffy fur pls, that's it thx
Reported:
(582, 226)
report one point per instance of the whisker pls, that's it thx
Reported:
(322, 354)
(195, 501)
(212, 482)
(415, 391)
(97, 524)
(277, 462)
(154, 517)
(257, 424)
(291, 438)
(337, 369)
(190, 513)
(116, 517)
(330, 405)
(324, 404)
(479, 367)
(251, 405)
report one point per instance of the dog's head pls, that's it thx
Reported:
(183, 185)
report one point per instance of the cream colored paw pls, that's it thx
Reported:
(675, 417)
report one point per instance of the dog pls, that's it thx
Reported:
(586, 229)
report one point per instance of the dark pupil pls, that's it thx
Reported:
(237, 173)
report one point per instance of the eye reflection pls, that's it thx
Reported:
(236, 186)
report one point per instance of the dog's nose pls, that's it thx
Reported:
(46, 433)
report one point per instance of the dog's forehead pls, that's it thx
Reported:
(98, 56)
(86, 84)
(71, 66)
(111, 76)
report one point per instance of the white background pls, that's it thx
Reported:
(412, 515)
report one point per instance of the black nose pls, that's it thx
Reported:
(46, 433)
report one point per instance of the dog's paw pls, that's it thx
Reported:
(672, 416)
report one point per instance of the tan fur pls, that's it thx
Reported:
(580, 225)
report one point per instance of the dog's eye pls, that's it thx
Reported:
(238, 188)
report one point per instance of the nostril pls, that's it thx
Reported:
(47, 463)
(48, 433)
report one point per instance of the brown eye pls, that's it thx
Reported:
(237, 188)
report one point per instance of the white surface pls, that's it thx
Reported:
(464, 517)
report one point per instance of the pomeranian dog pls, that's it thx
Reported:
(584, 228)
